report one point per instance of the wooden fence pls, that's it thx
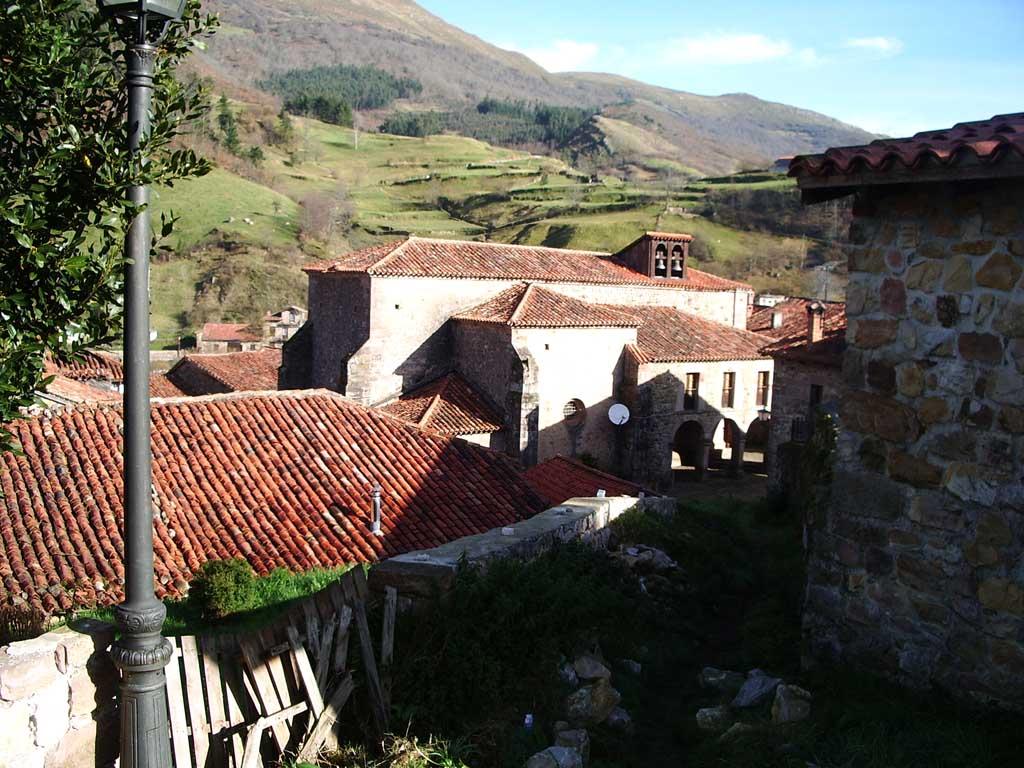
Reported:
(235, 699)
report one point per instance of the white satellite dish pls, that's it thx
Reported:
(618, 414)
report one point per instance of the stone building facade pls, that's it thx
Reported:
(916, 566)
(541, 333)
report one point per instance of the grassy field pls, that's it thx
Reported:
(238, 247)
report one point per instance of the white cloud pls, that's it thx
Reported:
(724, 49)
(809, 57)
(886, 46)
(561, 55)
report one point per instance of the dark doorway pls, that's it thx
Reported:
(687, 445)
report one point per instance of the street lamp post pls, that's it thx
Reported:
(141, 652)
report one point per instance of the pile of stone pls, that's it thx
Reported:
(592, 702)
(658, 574)
(749, 700)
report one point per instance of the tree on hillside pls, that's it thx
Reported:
(228, 127)
(326, 215)
(63, 212)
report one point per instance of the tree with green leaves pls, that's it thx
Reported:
(63, 211)
(228, 127)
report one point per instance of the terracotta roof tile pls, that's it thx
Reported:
(449, 406)
(70, 391)
(526, 305)
(427, 257)
(238, 371)
(561, 478)
(790, 340)
(230, 332)
(984, 141)
(161, 386)
(281, 479)
(671, 336)
(89, 365)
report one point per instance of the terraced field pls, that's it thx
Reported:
(239, 245)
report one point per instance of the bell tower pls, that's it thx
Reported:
(661, 255)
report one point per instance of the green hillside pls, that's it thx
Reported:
(240, 243)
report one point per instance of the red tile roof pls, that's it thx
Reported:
(526, 305)
(790, 340)
(161, 386)
(71, 391)
(281, 479)
(671, 336)
(427, 257)
(986, 142)
(230, 332)
(671, 236)
(238, 371)
(89, 365)
(561, 478)
(448, 406)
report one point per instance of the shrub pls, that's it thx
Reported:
(224, 587)
(20, 623)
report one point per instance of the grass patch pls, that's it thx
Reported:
(273, 592)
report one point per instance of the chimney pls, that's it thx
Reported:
(815, 322)
(777, 318)
(376, 530)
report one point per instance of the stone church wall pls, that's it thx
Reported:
(916, 568)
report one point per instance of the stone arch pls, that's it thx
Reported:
(727, 446)
(688, 445)
(756, 446)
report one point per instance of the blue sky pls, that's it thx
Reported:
(893, 67)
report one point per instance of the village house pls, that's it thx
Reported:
(280, 326)
(234, 372)
(228, 337)
(546, 340)
(93, 377)
(807, 340)
(916, 564)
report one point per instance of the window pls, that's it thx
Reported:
(817, 393)
(677, 262)
(661, 261)
(692, 393)
(764, 382)
(574, 412)
(728, 389)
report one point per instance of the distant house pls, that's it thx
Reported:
(282, 479)
(781, 164)
(280, 326)
(808, 338)
(233, 372)
(228, 337)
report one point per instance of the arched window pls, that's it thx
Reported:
(677, 261)
(661, 261)
(575, 413)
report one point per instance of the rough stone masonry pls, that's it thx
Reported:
(916, 568)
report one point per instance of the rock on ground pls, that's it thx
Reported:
(577, 739)
(721, 680)
(620, 720)
(556, 757)
(792, 704)
(567, 675)
(632, 666)
(715, 719)
(737, 730)
(592, 704)
(589, 668)
(757, 688)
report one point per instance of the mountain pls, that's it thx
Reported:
(641, 126)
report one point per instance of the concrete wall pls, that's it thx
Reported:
(916, 567)
(790, 400)
(57, 700)
(655, 395)
(575, 363)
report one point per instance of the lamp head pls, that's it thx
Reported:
(158, 10)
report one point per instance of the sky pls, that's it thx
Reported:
(890, 66)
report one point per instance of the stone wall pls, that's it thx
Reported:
(916, 569)
(791, 400)
(339, 314)
(57, 700)
(655, 392)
